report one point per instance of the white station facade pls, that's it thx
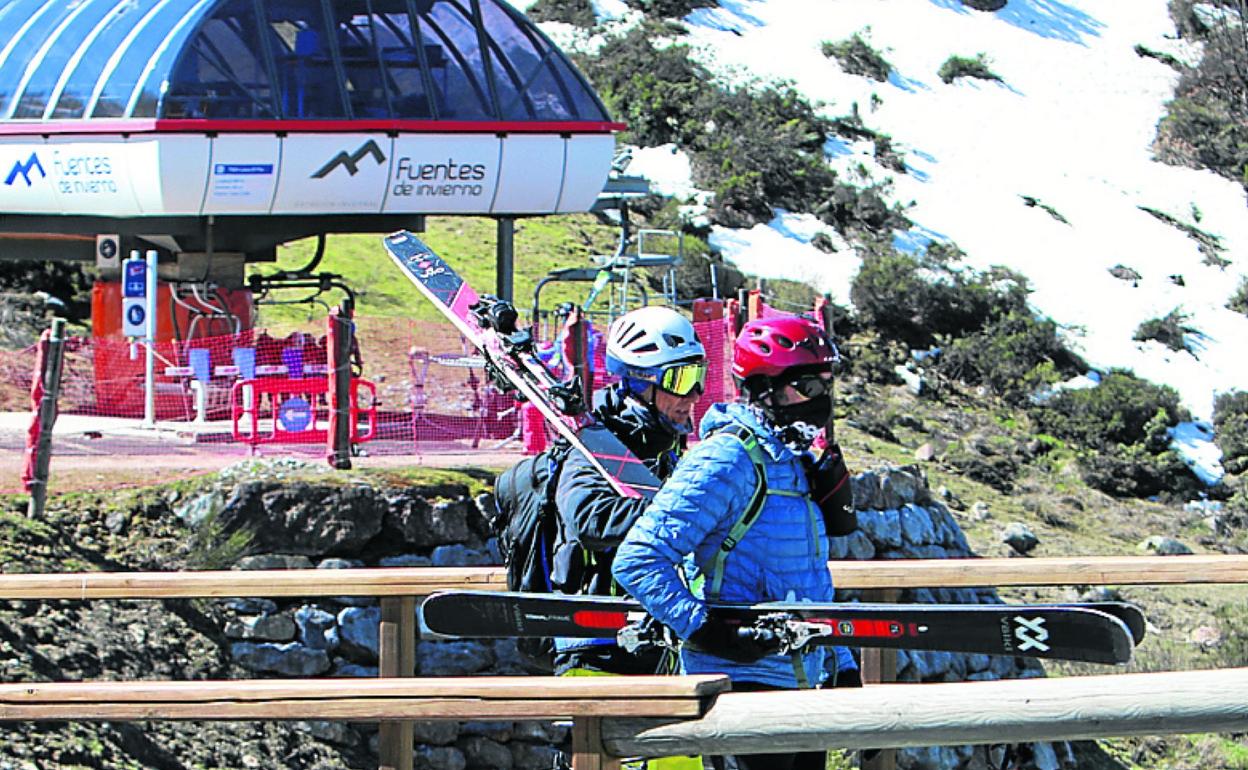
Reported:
(195, 108)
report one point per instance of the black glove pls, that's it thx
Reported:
(849, 677)
(726, 638)
(831, 491)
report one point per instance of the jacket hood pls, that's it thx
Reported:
(638, 425)
(720, 416)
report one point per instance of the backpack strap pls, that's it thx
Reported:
(752, 509)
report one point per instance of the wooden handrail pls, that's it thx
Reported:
(1006, 711)
(421, 581)
(365, 699)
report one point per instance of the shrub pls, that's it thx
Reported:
(1170, 330)
(1133, 471)
(671, 9)
(754, 145)
(1206, 125)
(962, 67)
(857, 57)
(1230, 424)
(576, 12)
(918, 299)
(1118, 411)
(984, 5)
(1012, 356)
(1239, 300)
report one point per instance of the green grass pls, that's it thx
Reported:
(468, 244)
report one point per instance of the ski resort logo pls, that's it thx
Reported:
(351, 160)
(32, 164)
(444, 179)
(1031, 634)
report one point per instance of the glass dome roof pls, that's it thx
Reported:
(284, 60)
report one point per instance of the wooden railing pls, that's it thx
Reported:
(398, 589)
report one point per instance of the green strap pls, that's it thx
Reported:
(752, 509)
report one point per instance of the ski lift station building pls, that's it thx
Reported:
(214, 130)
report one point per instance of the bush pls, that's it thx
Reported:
(1133, 471)
(1171, 331)
(1239, 300)
(920, 299)
(576, 12)
(671, 9)
(1122, 410)
(857, 57)
(1012, 357)
(754, 146)
(1230, 424)
(961, 67)
(1206, 125)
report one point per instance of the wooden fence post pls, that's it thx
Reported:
(879, 666)
(396, 657)
(50, 384)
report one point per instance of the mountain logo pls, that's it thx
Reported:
(350, 160)
(31, 164)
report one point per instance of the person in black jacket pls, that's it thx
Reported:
(662, 366)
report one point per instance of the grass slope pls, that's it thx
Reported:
(468, 244)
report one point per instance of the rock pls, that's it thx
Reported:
(925, 453)
(273, 561)
(529, 756)
(318, 629)
(950, 498)
(460, 556)
(438, 758)
(357, 632)
(406, 560)
(290, 659)
(1206, 637)
(301, 518)
(336, 563)
(117, 521)
(882, 526)
(333, 732)
(453, 658)
(916, 525)
(856, 546)
(436, 732)
(1019, 537)
(1164, 546)
(980, 511)
(267, 628)
(414, 523)
(483, 752)
(252, 606)
(344, 669)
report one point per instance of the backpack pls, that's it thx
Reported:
(526, 521)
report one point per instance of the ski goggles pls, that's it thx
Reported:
(683, 379)
(811, 385)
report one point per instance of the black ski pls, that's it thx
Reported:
(1082, 632)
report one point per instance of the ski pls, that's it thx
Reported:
(490, 325)
(1080, 632)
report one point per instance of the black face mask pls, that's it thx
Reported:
(815, 412)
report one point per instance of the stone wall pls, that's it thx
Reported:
(333, 526)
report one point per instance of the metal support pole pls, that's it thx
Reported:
(506, 261)
(149, 367)
(341, 412)
(50, 376)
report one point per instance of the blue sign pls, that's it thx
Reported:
(135, 278)
(295, 414)
(136, 315)
(242, 169)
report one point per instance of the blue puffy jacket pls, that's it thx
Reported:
(783, 556)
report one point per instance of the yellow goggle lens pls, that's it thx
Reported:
(684, 379)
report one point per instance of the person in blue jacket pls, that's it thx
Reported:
(679, 554)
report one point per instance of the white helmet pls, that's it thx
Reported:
(643, 343)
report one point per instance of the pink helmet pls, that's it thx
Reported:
(770, 346)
